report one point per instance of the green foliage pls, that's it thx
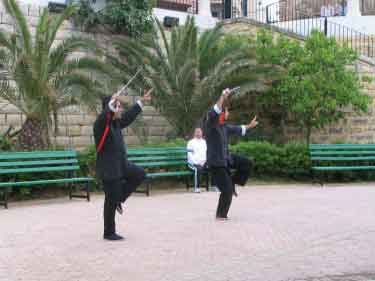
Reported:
(188, 70)
(40, 77)
(85, 17)
(290, 161)
(130, 17)
(316, 84)
(367, 79)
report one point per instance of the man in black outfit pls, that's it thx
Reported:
(120, 177)
(219, 160)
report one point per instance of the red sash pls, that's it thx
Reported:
(99, 148)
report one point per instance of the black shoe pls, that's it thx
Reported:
(119, 208)
(221, 218)
(113, 237)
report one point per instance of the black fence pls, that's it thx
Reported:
(367, 7)
(189, 6)
(300, 19)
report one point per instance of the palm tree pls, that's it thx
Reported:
(188, 70)
(40, 77)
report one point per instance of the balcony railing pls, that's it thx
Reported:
(188, 6)
(367, 7)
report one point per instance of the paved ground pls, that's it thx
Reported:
(275, 234)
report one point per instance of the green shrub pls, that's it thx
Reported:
(131, 17)
(291, 160)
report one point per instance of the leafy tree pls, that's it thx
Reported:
(130, 17)
(40, 77)
(188, 70)
(316, 84)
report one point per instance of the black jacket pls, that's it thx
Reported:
(111, 160)
(217, 138)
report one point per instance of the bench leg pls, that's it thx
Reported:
(70, 191)
(207, 181)
(148, 187)
(5, 198)
(314, 180)
(86, 189)
(187, 182)
(88, 185)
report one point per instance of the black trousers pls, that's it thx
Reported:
(118, 191)
(226, 182)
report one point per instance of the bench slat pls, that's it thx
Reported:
(342, 168)
(360, 158)
(43, 182)
(37, 154)
(340, 146)
(160, 164)
(169, 174)
(155, 158)
(156, 152)
(39, 169)
(363, 152)
(38, 163)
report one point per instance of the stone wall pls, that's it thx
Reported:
(75, 123)
(354, 128)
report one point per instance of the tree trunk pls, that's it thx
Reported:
(33, 135)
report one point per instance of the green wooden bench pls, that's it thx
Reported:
(51, 167)
(341, 157)
(161, 162)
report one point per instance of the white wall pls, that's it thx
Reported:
(203, 22)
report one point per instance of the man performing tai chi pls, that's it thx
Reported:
(219, 160)
(120, 177)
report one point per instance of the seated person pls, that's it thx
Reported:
(197, 149)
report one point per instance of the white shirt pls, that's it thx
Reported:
(198, 148)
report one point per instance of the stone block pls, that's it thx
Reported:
(62, 131)
(72, 109)
(149, 110)
(363, 138)
(157, 131)
(10, 109)
(2, 120)
(156, 139)
(87, 131)
(74, 131)
(6, 19)
(336, 130)
(13, 119)
(82, 141)
(131, 140)
(360, 121)
(64, 141)
(159, 120)
(77, 120)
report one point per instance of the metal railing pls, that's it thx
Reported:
(302, 21)
(367, 7)
(187, 6)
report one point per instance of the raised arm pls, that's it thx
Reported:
(214, 113)
(242, 129)
(130, 115)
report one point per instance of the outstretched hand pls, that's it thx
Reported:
(147, 96)
(253, 123)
